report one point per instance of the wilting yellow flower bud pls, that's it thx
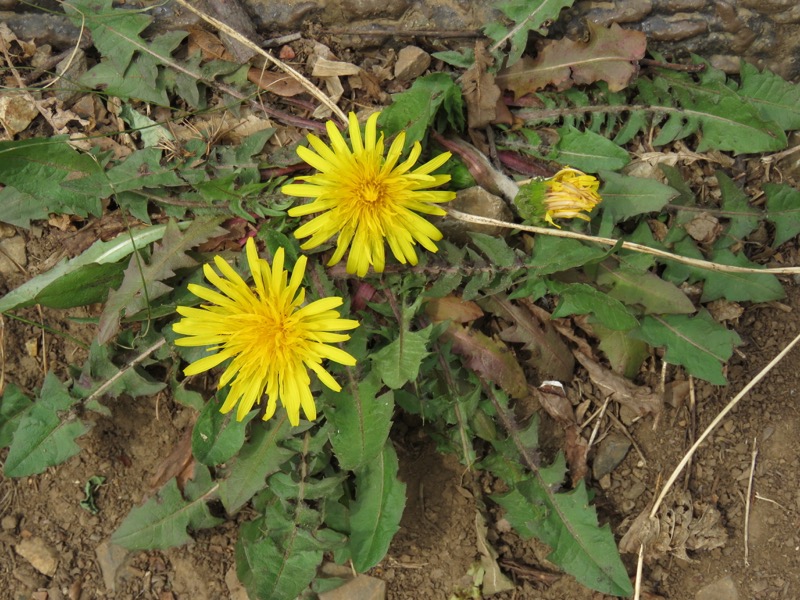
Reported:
(567, 195)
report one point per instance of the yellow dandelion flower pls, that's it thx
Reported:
(566, 195)
(270, 337)
(367, 198)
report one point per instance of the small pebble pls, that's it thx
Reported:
(9, 522)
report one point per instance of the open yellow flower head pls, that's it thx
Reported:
(270, 337)
(366, 197)
(567, 195)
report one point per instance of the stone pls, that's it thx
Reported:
(110, 558)
(17, 110)
(411, 63)
(610, 453)
(9, 523)
(722, 589)
(474, 201)
(236, 590)
(39, 554)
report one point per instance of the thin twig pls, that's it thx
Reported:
(637, 590)
(309, 87)
(145, 353)
(702, 264)
(400, 33)
(747, 503)
(717, 420)
(514, 30)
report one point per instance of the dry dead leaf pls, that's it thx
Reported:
(209, 45)
(610, 55)
(640, 399)
(531, 326)
(480, 90)
(675, 529)
(279, 84)
(333, 68)
(704, 228)
(489, 358)
(452, 308)
(179, 463)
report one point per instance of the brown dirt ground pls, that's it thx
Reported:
(436, 545)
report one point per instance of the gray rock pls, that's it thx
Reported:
(722, 589)
(611, 451)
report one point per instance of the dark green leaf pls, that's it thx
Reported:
(416, 109)
(162, 521)
(375, 514)
(588, 151)
(698, 343)
(275, 569)
(553, 255)
(634, 286)
(568, 524)
(774, 98)
(37, 169)
(260, 457)
(14, 405)
(739, 286)
(86, 285)
(736, 208)
(217, 437)
(399, 361)
(360, 421)
(582, 299)
(495, 248)
(783, 209)
(45, 436)
(625, 196)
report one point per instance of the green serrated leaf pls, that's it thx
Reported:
(783, 209)
(360, 421)
(739, 287)
(625, 196)
(399, 361)
(217, 437)
(44, 436)
(162, 522)
(625, 353)
(527, 15)
(495, 248)
(582, 299)
(774, 98)
(260, 457)
(416, 109)
(141, 170)
(36, 170)
(553, 255)
(633, 286)
(568, 524)
(699, 343)
(152, 133)
(743, 219)
(142, 282)
(14, 405)
(727, 120)
(461, 60)
(275, 569)
(588, 151)
(375, 514)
